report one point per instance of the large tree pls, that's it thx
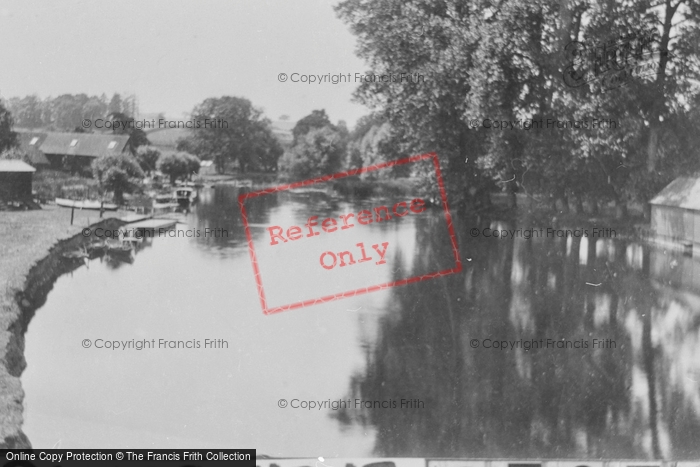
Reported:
(178, 165)
(94, 108)
(232, 130)
(118, 173)
(123, 124)
(115, 104)
(266, 149)
(507, 61)
(147, 157)
(315, 120)
(27, 111)
(67, 111)
(319, 152)
(427, 110)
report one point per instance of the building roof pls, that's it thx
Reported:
(15, 166)
(83, 144)
(683, 192)
(30, 142)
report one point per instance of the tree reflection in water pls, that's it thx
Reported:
(638, 400)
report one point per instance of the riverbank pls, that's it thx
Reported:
(31, 243)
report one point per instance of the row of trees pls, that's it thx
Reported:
(319, 147)
(124, 173)
(322, 148)
(245, 142)
(66, 112)
(506, 61)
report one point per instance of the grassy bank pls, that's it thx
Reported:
(26, 239)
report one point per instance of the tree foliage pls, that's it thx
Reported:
(27, 111)
(118, 173)
(147, 157)
(8, 138)
(122, 124)
(67, 111)
(373, 141)
(240, 135)
(315, 120)
(319, 152)
(507, 61)
(178, 165)
(16, 153)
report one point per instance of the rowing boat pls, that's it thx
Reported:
(86, 204)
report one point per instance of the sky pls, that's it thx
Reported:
(174, 54)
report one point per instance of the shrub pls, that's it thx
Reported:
(178, 165)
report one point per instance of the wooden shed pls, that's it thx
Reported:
(675, 211)
(15, 180)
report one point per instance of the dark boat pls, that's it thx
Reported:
(95, 248)
(185, 195)
(118, 250)
(75, 255)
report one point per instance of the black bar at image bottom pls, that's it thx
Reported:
(126, 457)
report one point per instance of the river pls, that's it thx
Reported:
(432, 342)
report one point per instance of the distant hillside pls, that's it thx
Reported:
(166, 138)
(282, 129)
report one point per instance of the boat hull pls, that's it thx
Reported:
(92, 205)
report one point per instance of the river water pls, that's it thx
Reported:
(635, 395)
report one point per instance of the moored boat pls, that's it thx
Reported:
(165, 201)
(185, 195)
(119, 249)
(85, 204)
(75, 255)
(95, 248)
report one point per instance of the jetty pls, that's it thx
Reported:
(131, 217)
(152, 224)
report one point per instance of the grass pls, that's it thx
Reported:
(27, 236)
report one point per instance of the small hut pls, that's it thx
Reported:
(207, 168)
(15, 180)
(675, 211)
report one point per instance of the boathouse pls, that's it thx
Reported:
(30, 142)
(15, 180)
(71, 151)
(675, 212)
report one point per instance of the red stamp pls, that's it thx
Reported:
(341, 252)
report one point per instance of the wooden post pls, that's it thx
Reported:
(72, 212)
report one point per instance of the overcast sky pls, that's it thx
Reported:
(173, 54)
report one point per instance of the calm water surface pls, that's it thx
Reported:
(639, 399)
